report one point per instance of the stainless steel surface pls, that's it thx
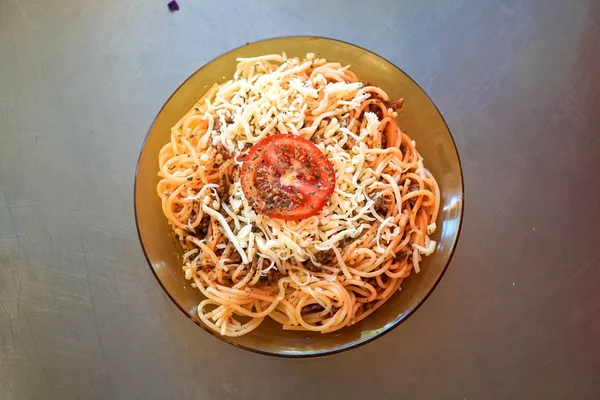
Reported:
(516, 315)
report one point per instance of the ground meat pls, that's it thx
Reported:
(202, 228)
(223, 188)
(395, 104)
(271, 277)
(384, 139)
(203, 267)
(324, 257)
(402, 254)
(403, 148)
(218, 123)
(372, 282)
(311, 267)
(377, 110)
(245, 151)
(345, 242)
(222, 151)
(382, 205)
(413, 187)
(349, 144)
(311, 308)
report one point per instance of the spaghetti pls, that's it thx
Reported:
(320, 273)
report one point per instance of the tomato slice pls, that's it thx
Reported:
(287, 177)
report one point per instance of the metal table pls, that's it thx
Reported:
(515, 316)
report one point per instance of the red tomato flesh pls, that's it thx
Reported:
(287, 177)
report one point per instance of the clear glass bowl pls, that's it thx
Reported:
(419, 118)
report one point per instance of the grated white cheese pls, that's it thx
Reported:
(428, 249)
(431, 228)
(259, 100)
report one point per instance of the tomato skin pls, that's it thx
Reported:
(286, 176)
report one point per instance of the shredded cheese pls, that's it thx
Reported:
(259, 100)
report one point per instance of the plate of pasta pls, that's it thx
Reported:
(298, 196)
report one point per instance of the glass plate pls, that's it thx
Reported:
(419, 118)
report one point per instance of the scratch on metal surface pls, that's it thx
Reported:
(4, 308)
(117, 231)
(67, 295)
(87, 273)
(14, 81)
(11, 324)
(44, 309)
(114, 280)
(507, 10)
(66, 352)
(58, 271)
(35, 343)
(27, 20)
(12, 220)
(586, 266)
(550, 359)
